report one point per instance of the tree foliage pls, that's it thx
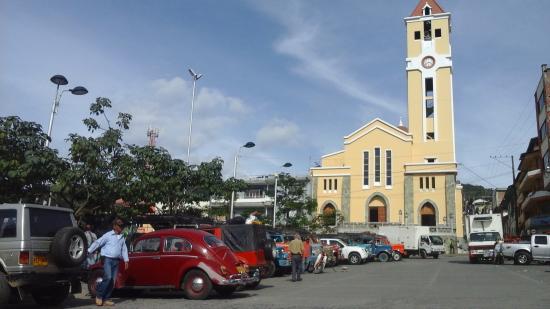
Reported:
(103, 170)
(294, 208)
(102, 174)
(27, 166)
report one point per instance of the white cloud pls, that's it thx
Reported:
(307, 42)
(279, 132)
(166, 104)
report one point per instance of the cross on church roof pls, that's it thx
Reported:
(419, 9)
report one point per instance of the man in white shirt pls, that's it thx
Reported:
(113, 248)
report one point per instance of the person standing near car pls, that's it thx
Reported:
(113, 248)
(296, 248)
(91, 259)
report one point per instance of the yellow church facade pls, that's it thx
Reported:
(392, 174)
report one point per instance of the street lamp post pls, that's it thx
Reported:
(195, 77)
(60, 80)
(288, 164)
(247, 145)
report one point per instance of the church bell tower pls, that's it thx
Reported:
(429, 83)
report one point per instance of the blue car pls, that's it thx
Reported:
(281, 258)
(381, 252)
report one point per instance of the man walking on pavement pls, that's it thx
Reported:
(113, 248)
(296, 248)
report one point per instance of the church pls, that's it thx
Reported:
(392, 174)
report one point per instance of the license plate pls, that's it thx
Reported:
(284, 263)
(240, 269)
(39, 260)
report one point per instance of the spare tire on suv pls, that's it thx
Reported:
(69, 247)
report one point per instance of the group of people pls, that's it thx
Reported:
(301, 251)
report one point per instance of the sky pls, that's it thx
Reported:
(294, 77)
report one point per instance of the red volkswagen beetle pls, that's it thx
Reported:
(191, 260)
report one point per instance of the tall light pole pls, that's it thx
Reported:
(195, 77)
(247, 145)
(288, 164)
(60, 80)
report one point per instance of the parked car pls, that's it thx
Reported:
(376, 248)
(353, 254)
(183, 259)
(41, 251)
(537, 249)
(250, 243)
(282, 254)
(398, 250)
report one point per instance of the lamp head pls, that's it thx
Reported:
(79, 90)
(288, 164)
(194, 75)
(59, 80)
(249, 145)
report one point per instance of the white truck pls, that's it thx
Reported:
(482, 233)
(417, 240)
(538, 249)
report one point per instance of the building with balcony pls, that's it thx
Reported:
(258, 196)
(529, 185)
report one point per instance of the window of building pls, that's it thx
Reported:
(335, 184)
(421, 183)
(376, 165)
(429, 108)
(427, 182)
(365, 168)
(388, 168)
(427, 11)
(430, 135)
(540, 102)
(433, 182)
(330, 184)
(417, 35)
(325, 184)
(427, 30)
(437, 33)
(543, 131)
(429, 85)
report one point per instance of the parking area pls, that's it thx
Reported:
(448, 282)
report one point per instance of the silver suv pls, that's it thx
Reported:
(41, 252)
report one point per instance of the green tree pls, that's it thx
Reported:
(294, 208)
(95, 179)
(103, 169)
(27, 166)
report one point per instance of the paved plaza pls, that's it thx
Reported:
(449, 282)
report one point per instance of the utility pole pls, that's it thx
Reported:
(514, 196)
